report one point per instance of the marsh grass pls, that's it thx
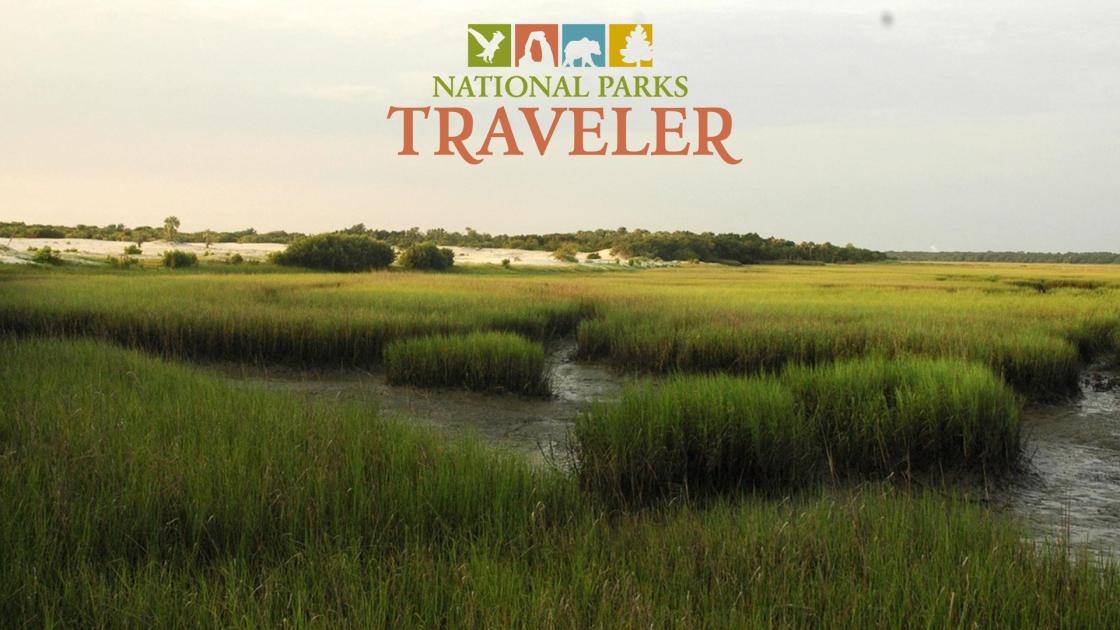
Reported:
(1040, 365)
(747, 320)
(1038, 343)
(871, 417)
(138, 492)
(322, 319)
(490, 361)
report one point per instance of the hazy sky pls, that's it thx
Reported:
(964, 125)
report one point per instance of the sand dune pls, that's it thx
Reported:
(85, 249)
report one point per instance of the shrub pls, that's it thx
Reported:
(506, 263)
(47, 256)
(236, 259)
(565, 253)
(594, 256)
(175, 259)
(479, 361)
(121, 261)
(427, 255)
(337, 252)
(869, 416)
(132, 250)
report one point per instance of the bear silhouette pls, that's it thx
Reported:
(581, 50)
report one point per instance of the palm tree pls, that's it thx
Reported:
(171, 227)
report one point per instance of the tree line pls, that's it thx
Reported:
(141, 234)
(677, 245)
(1085, 258)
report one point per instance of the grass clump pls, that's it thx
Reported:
(46, 256)
(427, 255)
(175, 259)
(478, 361)
(695, 431)
(865, 417)
(122, 262)
(337, 252)
(909, 415)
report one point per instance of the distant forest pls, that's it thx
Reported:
(679, 245)
(706, 246)
(1085, 258)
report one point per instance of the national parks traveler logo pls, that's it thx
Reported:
(536, 46)
(519, 67)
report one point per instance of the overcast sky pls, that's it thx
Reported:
(963, 125)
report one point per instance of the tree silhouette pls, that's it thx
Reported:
(171, 227)
(638, 47)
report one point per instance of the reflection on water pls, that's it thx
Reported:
(1072, 485)
(536, 426)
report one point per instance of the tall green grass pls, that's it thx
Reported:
(297, 318)
(909, 415)
(480, 361)
(120, 454)
(762, 318)
(1041, 364)
(745, 321)
(137, 492)
(866, 416)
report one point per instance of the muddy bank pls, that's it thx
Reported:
(538, 427)
(1071, 485)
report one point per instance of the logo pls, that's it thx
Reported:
(538, 46)
(488, 46)
(552, 62)
(585, 45)
(631, 45)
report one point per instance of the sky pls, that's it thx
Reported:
(960, 125)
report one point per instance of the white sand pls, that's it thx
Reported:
(152, 249)
(494, 256)
(7, 259)
(86, 249)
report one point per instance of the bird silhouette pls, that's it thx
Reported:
(489, 46)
